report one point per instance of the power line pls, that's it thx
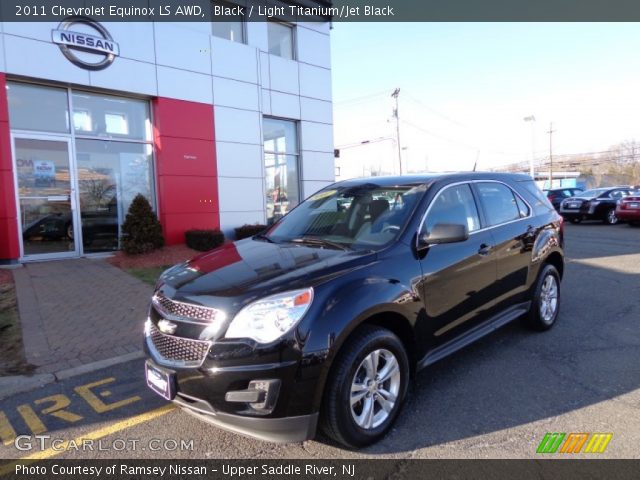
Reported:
(436, 112)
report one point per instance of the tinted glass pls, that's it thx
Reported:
(358, 217)
(522, 207)
(280, 39)
(32, 107)
(233, 28)
(499, 203)
(453, 205)
(109, 116)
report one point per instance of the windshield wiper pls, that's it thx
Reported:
(311, 240)
(262, 236)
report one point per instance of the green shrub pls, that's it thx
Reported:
(141, 230)
(203, 240)
(246, 231)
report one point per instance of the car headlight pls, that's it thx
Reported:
(269, 318)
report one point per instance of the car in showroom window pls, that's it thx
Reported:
(319, 321)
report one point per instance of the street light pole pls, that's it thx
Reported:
(550, 132)
(395, 95)
(532, 119)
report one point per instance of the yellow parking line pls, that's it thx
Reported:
(95, 435)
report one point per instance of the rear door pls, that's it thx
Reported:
(458, 278)
(509, 219)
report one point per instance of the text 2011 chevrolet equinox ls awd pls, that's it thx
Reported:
(325, 316)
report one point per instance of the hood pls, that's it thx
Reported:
(250, 269)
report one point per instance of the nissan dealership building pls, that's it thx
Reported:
(217, 124)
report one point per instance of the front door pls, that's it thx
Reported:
(458, 278)
(46, 197)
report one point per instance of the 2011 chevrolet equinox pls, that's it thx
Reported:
(324, 317)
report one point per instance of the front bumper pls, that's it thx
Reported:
(280, 430)
(202, 393)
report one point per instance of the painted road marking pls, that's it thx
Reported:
(31, 419)
(60, 402)
(98, 405)
(59, 409)
(91, 436)
(7, 433)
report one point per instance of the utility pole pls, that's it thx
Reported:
(395, 95)
(532, 119)
(550, 132)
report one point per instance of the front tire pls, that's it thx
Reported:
(366, 387)
(545, 303)
(611, 218)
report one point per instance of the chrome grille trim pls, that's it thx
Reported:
(175, 310)
(176, 351)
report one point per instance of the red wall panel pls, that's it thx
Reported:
(186, 156)
(179, 118)
(4, 106)
(188, 194)
(175, 224)
(186, 167)
(9, 240)
(6, 161)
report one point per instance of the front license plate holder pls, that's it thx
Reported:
(160, 380)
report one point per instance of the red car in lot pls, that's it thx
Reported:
(628, 208)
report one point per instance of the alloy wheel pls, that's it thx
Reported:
(375, 388)
(549, 299)
(612, 219)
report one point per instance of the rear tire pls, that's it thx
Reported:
(545, 303)
(575, 220)
(366, 387)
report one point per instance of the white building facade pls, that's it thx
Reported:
(217, 124)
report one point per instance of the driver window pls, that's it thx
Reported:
(453, 205)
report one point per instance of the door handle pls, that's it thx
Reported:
(485, 249)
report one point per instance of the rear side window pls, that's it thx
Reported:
(536, 198)
(453, 205)
(499, 202)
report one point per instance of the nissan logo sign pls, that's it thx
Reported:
(81, 47)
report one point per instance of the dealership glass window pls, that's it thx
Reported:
(281, 167)
(113, 153)
(280, 37)
(110, 175)
(37, 108)
(110, 116)
(232, 28)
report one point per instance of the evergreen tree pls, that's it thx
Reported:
(141, 230)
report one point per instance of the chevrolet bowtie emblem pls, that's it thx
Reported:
(165, 326)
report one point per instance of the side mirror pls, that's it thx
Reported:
(444, 233)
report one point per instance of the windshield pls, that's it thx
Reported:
(365, 216)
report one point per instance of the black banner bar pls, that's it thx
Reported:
(323, 10)
(323, 469)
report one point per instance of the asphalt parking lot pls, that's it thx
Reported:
(495, 399)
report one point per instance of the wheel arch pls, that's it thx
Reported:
(391, 320)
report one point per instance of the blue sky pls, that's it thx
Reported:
(465, 88)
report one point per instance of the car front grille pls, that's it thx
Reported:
(185, 311)
(177, 351)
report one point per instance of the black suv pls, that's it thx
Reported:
(596, 204)
(325, 316)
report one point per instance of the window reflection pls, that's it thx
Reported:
(281, 167)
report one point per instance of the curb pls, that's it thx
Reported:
(22, 383)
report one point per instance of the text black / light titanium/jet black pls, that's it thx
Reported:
(323, 318)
